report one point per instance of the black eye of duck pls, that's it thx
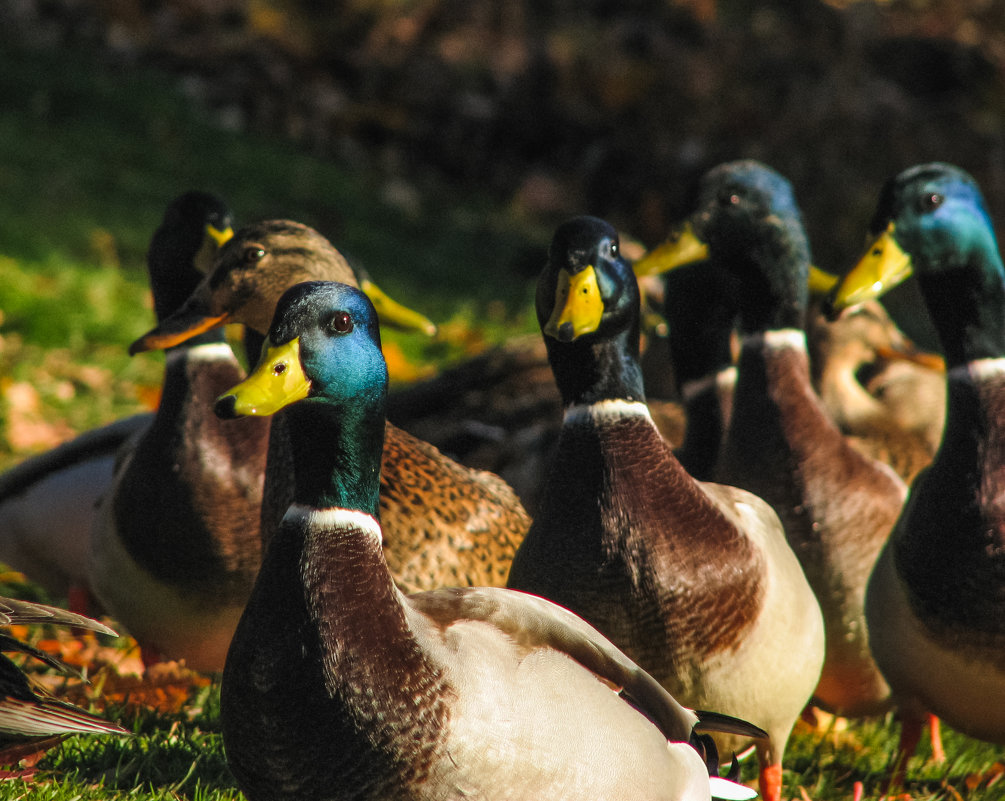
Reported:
(253, 255)
(340, 323)
(931, 201)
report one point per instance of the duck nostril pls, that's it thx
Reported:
(226, 407)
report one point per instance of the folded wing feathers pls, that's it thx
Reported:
(46, 717)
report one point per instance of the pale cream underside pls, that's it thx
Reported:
(960, 689)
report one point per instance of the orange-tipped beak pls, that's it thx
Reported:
(162, 337)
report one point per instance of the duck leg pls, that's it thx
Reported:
(769, 780)
(912, 724)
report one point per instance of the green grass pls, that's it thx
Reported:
(88, 161)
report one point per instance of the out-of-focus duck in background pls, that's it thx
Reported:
(175, 545)
(837, 506)
(48, 502)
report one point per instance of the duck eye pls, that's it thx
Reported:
(727, 198)
(931, 201)
(253, 255)
(340, 323)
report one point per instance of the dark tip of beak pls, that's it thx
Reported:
(828, 310)
(138, 346)
(225, 407)
(566, 332)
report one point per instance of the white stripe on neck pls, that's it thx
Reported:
(335, 518)
(776, 339)
(209, 351)
(979, 370)
(606, 410)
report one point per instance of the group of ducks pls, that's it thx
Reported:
(279, 528)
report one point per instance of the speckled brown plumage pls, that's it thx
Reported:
(338, 686)
(500, 411)
(444, 523)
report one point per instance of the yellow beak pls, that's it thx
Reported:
(883, 266)
(277, 381)
(684, 247)
(578, 305)
(393, 313)
(821, 283)
(220, 236)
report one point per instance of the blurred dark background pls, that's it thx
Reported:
(611, 107)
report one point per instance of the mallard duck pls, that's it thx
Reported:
(935, 600)
(444, 523)
(337, 685)
(853, 358)
(837, 506)
(48, 502)
(175, 546)
(28, 714)
(694, 581)
(700, 311)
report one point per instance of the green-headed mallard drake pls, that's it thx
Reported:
(936, 600)
(28, 714)
(176, 547)
(444, 523)
(48, 502)
(694, 581)
(338, 686)
(837, 506)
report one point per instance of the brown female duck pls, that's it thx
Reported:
(445, 524)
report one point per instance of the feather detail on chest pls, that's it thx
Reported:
(626, 517)
(349, 665)
(782, 446)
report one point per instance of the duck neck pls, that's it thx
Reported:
(707, 402)
(774, 279)
(773, 396)
(975, 409)
(590, 370)
(967, 306)
(337, 455)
